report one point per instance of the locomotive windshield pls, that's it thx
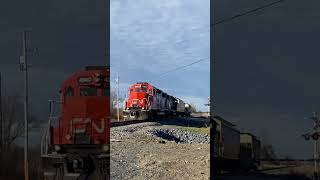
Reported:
(69, 92)
(106, 92)
(142, 89)
(90, 91)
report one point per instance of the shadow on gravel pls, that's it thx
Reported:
(185, 122)
(167, 136)
(262, 176)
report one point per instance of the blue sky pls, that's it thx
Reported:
(150, 37)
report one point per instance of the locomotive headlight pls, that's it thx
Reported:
(105, 148)
(57, 148)
(68, 137)
(75, 163)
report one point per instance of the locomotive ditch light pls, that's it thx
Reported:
(75, 164)
(57, 148)
(105, 147)
(68, 137)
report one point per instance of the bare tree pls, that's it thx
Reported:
(13, 128)
(193, 108)
(113, 104)
(268, 152)
(267, 149)
(13, 122)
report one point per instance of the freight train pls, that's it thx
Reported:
(148, 102)
(234, 150)
(76, 143)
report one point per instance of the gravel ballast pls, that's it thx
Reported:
(179, 136)
(152, 150)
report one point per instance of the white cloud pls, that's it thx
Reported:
(149, 37)
(150, 29)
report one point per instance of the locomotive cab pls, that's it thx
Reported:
(84, 118)
(138, 105)
(147, 102)
(78, 139)
(140, 95)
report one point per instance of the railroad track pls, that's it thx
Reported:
(124, 123)
(177, 121)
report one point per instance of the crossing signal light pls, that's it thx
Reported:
(315, 136)
(306, 137)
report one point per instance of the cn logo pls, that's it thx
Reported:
(84, 121)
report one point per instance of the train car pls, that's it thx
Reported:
(187, 109)
(147, 102)
(227, 145)
(180, 107)
(250, 147)
(77, 142)
(233, 150)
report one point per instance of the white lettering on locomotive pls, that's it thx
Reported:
(140, 100)
(84, 121)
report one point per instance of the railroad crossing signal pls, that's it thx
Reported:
(315, 136)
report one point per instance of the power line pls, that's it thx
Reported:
(181, 67)
(246, 13)
(221, 22)
(224, 21)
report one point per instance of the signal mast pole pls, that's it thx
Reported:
(315, 146)
(24, 67)
(315, 136)
(208, 106)
(118, 113)
(1, 117)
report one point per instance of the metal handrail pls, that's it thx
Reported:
(45, 137)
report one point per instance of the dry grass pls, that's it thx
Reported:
(298, 170)
(114, 115)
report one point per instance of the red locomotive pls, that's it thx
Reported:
(78, 142)
(147, 102)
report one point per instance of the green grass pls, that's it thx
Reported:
(202, 130)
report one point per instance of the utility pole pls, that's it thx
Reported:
(24, 67)
(208, 106)
(1, 116)
(315, 136)
(315, 153)
(118, 113)
(124, 106)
